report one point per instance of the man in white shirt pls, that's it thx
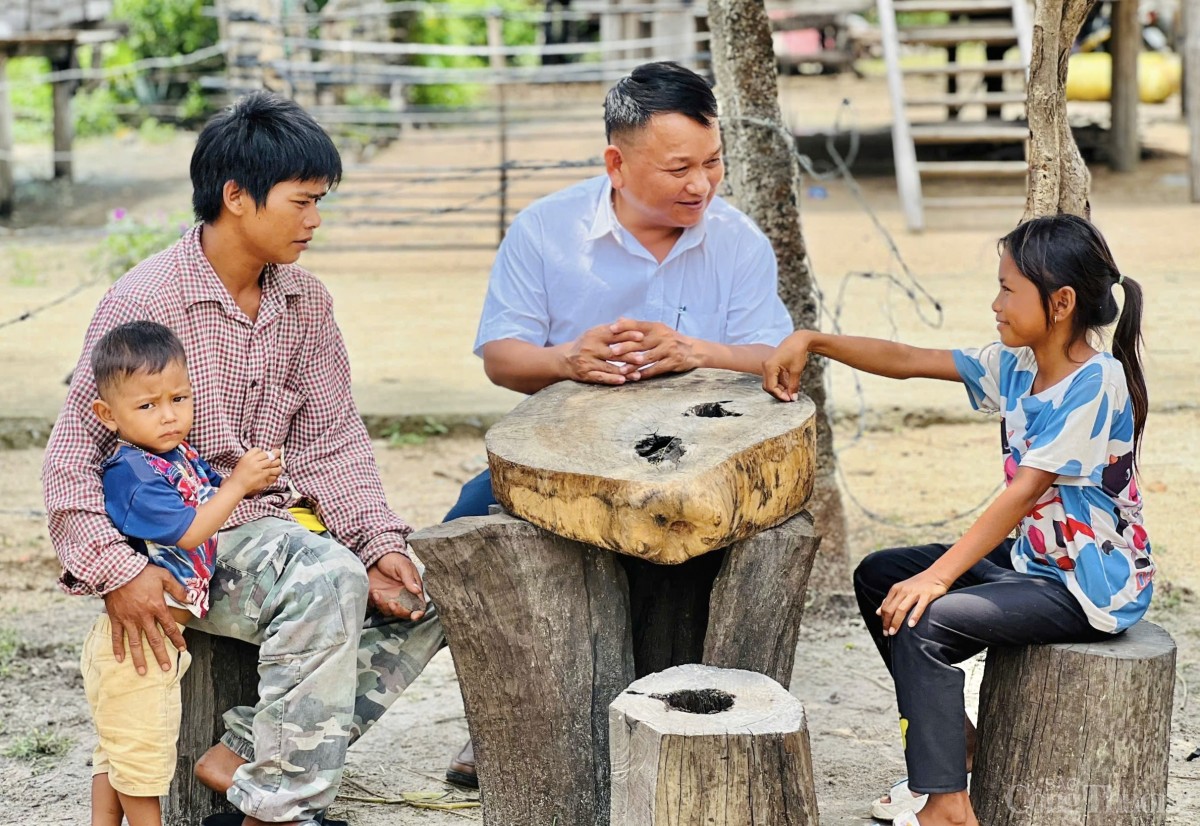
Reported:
(636, 273)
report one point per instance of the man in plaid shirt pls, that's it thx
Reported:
(269, 369)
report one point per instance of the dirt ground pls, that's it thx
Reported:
(409, 316)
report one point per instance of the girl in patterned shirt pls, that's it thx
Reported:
(1077, 567)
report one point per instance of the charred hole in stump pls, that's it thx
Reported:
(711, 410)
(656, 449)
(698, 701)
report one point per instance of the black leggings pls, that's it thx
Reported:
(991, 604)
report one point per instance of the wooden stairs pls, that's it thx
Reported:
(998, 25)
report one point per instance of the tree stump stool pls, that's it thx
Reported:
(547, 627)
(1076, 735)
(701, 746)
(224, 674)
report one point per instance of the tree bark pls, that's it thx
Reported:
(1059, 181)
(539, 628)
(710, 747)
(223, 675)
(1076, 735)
(764, 175)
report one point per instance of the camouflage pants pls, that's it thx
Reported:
(324, 679)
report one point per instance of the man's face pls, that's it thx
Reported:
(280, 228)
(667, 173)
(151, 410)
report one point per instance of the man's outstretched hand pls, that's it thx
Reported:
(138, 608)
(395, 587)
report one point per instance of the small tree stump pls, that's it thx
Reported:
(1076, 735)
(666, 469)
(543, 639)
(710, 747)
(224, 674)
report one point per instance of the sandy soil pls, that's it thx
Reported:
(409, 315)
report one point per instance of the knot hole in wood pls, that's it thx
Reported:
(698, 701)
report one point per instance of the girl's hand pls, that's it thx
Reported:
(914, 593)
(781, 372)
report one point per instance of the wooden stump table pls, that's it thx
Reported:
(697, 482)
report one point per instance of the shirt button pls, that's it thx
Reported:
(253, 383)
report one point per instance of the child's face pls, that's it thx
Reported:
(150, 410)
(1020, 315)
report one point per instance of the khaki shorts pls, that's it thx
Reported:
(137, 718)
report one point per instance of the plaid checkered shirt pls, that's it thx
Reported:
(281, 380)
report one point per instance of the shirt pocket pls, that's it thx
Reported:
(709, 326)
(279, 406)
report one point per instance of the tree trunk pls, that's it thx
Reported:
(702, 746)
(1076, 735)
(1059, 181)
(763, 172)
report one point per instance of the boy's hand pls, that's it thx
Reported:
(781, 372)
(138, 608)
(256, 470)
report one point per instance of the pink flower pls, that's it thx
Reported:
(119, 214)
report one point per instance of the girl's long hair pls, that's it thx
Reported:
(1059, 251)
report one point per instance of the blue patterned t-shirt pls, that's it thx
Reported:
(1086, 530)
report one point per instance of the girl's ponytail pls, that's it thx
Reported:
(1127, 349)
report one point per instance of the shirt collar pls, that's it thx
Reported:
(605, 222)
(200, 282)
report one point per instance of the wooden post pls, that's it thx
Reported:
(1126, 43)
(495, 38)
(64, 124)
(223, 675)
(6, 141)
(1191, 89)
(703, 746)
(1076, 734)
(539, 628)
(758, 600)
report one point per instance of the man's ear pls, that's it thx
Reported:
(104, 414)
(614, 165)
(235, 198)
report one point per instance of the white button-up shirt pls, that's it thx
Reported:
(567, 265)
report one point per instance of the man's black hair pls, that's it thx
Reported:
(261, 140)
(133, 347)
(655, 89)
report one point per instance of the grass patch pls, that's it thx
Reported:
(38, 745)
(402, 436)
(10, 646)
